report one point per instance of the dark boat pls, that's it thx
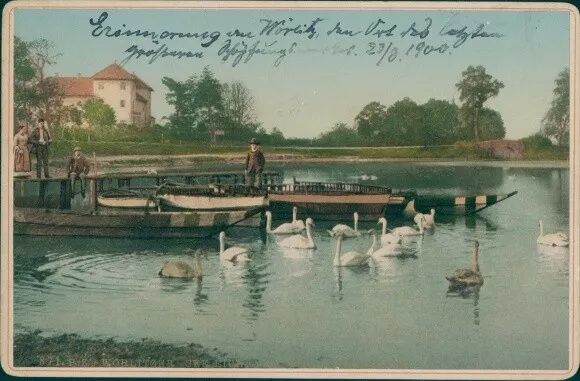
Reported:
(329, 201)
(126, 224)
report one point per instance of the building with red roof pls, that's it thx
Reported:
(125, 92)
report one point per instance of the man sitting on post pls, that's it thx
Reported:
(77, 167)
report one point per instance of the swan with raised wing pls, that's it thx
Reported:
(468, 277)
(429, 219)
(232, 254)
(405, 231)
(552, 239)
(181, 269)
(346, 230)
(352, 258)
(389, 250)
(388, 238)
(299, 241)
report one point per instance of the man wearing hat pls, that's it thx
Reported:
(254, 165)
(40, 139)
(77, 167)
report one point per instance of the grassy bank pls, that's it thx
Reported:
(458, 151)
(70, 350)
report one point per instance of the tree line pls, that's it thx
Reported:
(203, 105)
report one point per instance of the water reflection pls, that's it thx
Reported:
(256, 280)
(466, 292)
(555, 259)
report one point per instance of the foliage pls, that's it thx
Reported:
(369, 122)
(556, 122)
(440, 121)
(26, 99)
(238, 105)
(536, 142)
(340, 135)
(403, 124)
(475, 88)
(98, 114)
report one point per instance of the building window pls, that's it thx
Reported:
(123, 85)
(122, 103)
(101, 85)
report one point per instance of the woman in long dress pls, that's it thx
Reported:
(21, 151)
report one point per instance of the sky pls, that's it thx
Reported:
(332, 64)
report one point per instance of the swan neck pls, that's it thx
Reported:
(541, 228)
(268, 223)
(337, 252)
(474, 259)
(356, 222)
(294, 214)
(384, 223)
(309, 234)
(222, 244)
(372, 248)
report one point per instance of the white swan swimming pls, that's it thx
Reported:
(552, 239)
(429, 219)
(388, 238)
(389, 250)
(299, 241)
(180, 269)
(346, 230)
(405, 231)
(286, 228)
(352, 258)
(233, 253)
(468, 277)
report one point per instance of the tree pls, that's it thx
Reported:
(370, 121)
(238, 105)
(404, 124)
(491, 125)
(440, 121)
(340, 135)
(556, 122)
(47, 89)
(208, 101)
(475, 88)
(181, 95)
(98, 114)
(26, 100)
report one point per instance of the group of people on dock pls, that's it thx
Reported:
(77, 167)
(38, 143)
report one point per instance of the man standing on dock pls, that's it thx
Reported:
(40, 139)
(255, 162)
(77, 167)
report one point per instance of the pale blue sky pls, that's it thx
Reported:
(308, 93)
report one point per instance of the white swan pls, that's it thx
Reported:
(299, 241)
(352, 258)
(180, 269)
(233, 253)
(405, 231)
(346, 230)
(468, 277)
(552, 239)
(388, 238)
(429, 219)
(286, 228)
(389, 250)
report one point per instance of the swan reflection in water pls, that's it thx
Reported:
(554, 259)
(466, 292)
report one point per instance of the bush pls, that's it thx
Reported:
(536, 142)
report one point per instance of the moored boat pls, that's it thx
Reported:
(329, 201)
(124, 198)
(215, 197)
(126, 224)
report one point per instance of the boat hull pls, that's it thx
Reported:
(330, 207)
(126, 225)
(125, 202)
(212, 203)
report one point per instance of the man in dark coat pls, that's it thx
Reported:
(255, 162)
(77, 167)
(40, 139)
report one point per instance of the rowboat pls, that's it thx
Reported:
(126, 198)
(125, 224)
(329, 201)
(215, 197)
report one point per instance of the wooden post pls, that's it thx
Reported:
(92, 195)
(41, 194)
(22, 188)
(64, 195)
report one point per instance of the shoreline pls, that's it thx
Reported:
(32, 349)
(115, 162)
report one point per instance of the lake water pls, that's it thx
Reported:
(292, 308)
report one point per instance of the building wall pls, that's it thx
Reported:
(113, 94)
(73, 101)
